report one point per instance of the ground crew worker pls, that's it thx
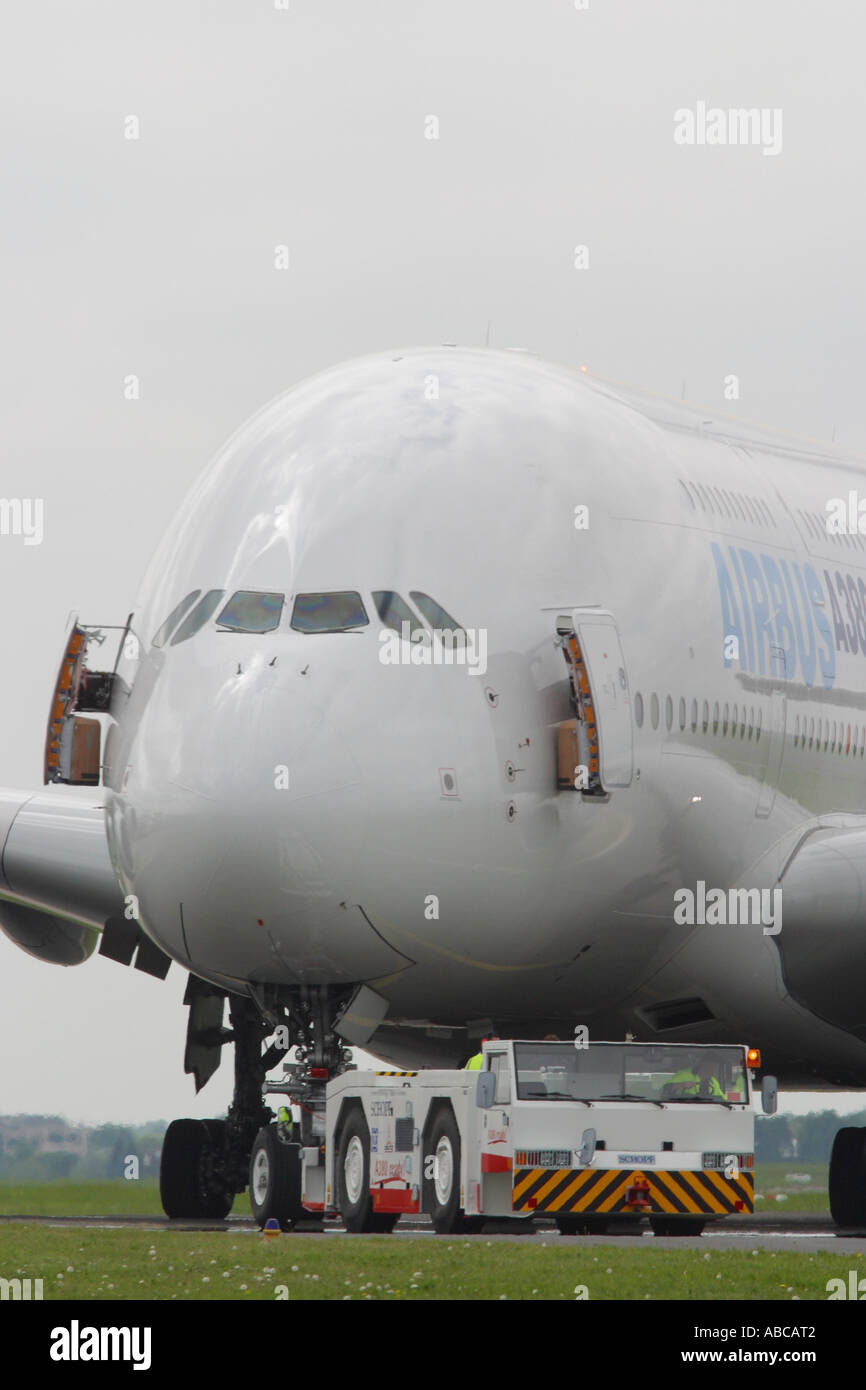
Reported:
(476, 1063)
(285, 1124)
(697, 1080)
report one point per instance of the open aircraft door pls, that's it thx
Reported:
(599, 652)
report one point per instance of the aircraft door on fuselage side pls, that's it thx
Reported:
(602, 654)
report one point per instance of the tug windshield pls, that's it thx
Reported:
(630, 1072)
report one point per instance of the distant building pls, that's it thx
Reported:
(49, 1134)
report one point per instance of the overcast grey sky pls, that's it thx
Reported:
(307, 127)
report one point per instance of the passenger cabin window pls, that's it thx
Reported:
(434, 613)
(247, 611)
(395, 611)
(163, 633)
(338, 612)
(203, 610)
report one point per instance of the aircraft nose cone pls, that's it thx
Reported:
(278, 849)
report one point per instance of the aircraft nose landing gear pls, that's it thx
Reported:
(275, 1180)
(205, 1163)
(191, 1179)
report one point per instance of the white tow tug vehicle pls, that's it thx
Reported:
(579, 1133)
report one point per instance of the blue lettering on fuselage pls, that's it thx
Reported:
(776, 610)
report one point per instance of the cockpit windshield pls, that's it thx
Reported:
(247, 611)
(636, 1071)
(198, 617)
(163, 633)
(434, 612)
(335, 612)
(395, 611)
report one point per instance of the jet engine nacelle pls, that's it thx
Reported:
(49, 938)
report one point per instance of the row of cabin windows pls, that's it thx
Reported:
(822, 735)
(723, 719)
(735, 506)
(250, 611)
(816, 525)
(828, 736)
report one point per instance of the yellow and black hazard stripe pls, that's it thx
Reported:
(395, 1073)
(608, 1190)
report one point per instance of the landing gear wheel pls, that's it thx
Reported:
(217, 1196)
(848, 1177)
(275, 1180)
(676, 1225)
(353, 1179)
(189, 1181)
(590, 1225)
(442, 1188)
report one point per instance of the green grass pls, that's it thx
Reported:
(800, 1202)
(108, 1198)
(120, 1198)
(166, 1264)
(111, 1264)
(772, 1179)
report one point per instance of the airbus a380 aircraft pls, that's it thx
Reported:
(459, 680)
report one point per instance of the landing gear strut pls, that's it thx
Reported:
(205, 1163)
(276, 1175)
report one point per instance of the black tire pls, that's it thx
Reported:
(847, 1177)
(472, 1225)
(353, 1176)
(217, 1198)
(589, 1225)
(189, 1185)
(383, 1222)
(275, 1180)
(677, 1225)
(442, 1187)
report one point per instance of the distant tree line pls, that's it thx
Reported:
(24, 1157)
(806, 1138)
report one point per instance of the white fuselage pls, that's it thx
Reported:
(278, 803)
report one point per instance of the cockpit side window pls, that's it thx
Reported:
(199, 616)
(163, 633)
(247, 611)
(434, 613)
(337, 612)
(395, 611)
